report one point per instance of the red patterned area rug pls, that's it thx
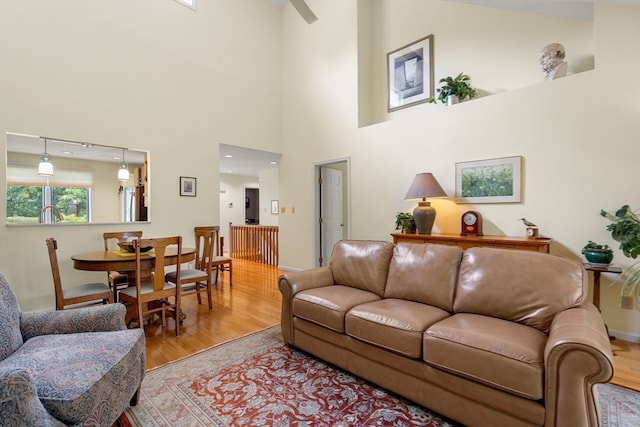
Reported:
(258, 381)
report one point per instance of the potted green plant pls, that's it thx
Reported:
(454, 90)
(625, 229)
(596, 253)
(405, 222)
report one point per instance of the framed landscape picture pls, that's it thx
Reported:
(410, 74)
(489, 181)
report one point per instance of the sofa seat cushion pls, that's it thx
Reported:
(503, 354)
(84, 374)
(393, 324)
(328, 305)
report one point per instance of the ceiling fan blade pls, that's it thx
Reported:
(304, 11)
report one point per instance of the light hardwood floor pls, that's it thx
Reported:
(253, 304)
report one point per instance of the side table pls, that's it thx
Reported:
(597, 271)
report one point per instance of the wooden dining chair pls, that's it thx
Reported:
(152, 295)
(219, 263)
(118, 279)
(198, 279)
(84, 293)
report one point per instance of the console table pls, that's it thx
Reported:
(538, 244)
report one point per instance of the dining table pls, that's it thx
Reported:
(123, 261)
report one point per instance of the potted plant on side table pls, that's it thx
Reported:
(597, 254)
(405, 222)
(625, 228)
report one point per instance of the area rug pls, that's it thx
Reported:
(258, 381)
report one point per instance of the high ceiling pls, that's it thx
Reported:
(579, 9)
(245, 161)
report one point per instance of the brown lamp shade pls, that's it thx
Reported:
(424, 185)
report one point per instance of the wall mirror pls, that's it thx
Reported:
(58, 181)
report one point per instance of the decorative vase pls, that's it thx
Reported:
(598, 256)
(452, 99)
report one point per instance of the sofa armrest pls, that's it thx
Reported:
(19, 403)
(101, 318)
(577, 356)
(292, 283)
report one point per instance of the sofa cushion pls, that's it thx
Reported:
(78, 376)
(393, 324)
(361, 264)
(10, 336)
(520, 286)
(328, 305)
(496, 352)
(424, 273)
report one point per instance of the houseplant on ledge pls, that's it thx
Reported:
(625, 228)
(455, 89)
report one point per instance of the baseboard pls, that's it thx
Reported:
(285, 268)
(626, 336)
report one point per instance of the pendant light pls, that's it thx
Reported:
(45, 167)
(123, 172)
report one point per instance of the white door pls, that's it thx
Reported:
(331, 225)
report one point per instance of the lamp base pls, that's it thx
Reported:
(424, 216)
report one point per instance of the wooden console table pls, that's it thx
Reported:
(539, 244)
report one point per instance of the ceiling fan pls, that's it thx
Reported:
(302, 8)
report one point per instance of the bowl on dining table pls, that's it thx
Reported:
(128, 246)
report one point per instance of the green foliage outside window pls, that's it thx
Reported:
(24, 203)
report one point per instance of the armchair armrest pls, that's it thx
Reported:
(292, 283)
(19, 403)
(101, 318)
(577, 356)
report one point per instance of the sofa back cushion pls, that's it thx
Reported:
(520, 286)
(10, 336)
(361, 264)
(425, 273)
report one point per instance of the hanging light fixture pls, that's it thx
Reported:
(45, 167)
(123, 172)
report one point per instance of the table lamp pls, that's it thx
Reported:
(424, 185)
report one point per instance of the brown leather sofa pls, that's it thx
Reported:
(486, 337)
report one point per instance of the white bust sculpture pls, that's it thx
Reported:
(552, 61)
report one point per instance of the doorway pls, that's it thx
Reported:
(332, 213)
(252, 206)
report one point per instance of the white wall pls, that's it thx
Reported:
(268, 179)
(146, 74)
(567, 130)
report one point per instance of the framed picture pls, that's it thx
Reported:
(410, 74)
(274, 207)
(187, 186)
(489, 181)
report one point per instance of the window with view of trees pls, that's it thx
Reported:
(32, 205)
(31, 201)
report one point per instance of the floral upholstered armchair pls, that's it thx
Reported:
(78, 367)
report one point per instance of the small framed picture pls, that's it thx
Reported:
(187, 186)
(489, 181)
(410, 74)
(274, 207)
